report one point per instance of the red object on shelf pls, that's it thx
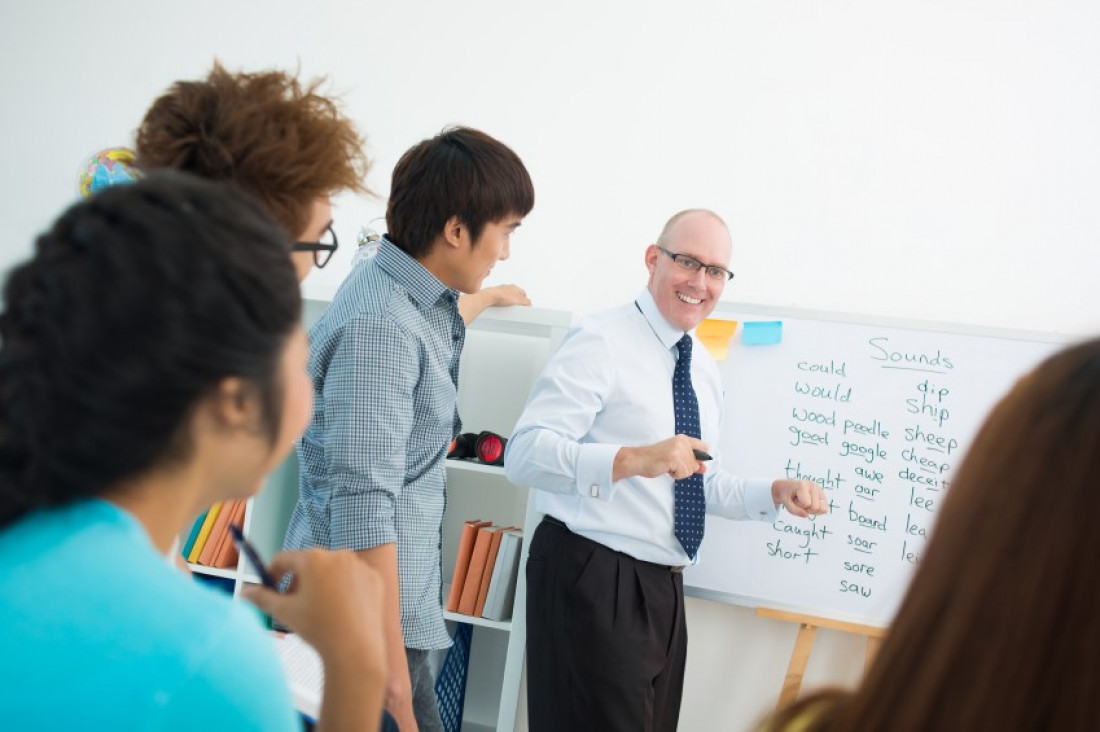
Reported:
(490, 448)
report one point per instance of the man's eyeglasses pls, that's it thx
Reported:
(691, 264)
(322, 250)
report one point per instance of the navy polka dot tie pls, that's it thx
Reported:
(689, 497)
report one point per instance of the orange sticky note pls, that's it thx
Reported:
(715, 336)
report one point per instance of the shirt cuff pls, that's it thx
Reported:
(361, 520)
(595, 464)
(758, 500)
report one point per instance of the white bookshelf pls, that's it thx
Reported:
(266, 517)
(505, 351)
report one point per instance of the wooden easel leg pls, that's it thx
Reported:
(803, 644)
(873, 643)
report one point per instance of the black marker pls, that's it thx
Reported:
(253, 557)
(700, 455)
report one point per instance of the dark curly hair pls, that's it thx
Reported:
(133, 307)
(282, 142)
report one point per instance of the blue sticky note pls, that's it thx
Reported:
(762, 332)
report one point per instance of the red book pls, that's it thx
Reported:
(462, 562)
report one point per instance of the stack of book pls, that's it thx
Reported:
(209, 542)
(486, 568)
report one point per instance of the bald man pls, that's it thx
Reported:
(609, 437)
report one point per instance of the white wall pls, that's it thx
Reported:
(934, 160)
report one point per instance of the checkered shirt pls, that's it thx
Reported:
(384, 364)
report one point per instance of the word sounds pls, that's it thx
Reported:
(903, 360)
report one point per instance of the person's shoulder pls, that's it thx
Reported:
(368, 307)
(368, 291)
(111, 600)
(605, 323)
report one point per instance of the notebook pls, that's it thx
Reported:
(305, 674)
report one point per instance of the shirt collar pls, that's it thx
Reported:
(666, 333)
(424, 287)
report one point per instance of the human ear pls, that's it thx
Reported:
(454, 232)
(651, 255)
(234, 405)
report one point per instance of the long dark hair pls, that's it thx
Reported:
(998, 629)
(135, 305)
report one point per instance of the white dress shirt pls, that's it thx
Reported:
(610, 386)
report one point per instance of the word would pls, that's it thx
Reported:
(821, 392)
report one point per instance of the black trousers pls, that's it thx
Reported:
(606, 638)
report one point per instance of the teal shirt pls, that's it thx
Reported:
(98, 631)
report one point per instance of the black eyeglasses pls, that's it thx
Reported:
(691, 264)
(322, 250)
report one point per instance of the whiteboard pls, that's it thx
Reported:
(880, 413)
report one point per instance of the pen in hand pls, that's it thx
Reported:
(700, 455)
(253, 557)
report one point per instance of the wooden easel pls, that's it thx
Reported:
(803, 644)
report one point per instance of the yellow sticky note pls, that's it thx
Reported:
(715, 336)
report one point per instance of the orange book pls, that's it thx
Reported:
(217, 534)
(477, 568)
(227, 553)
(462, 562)
(204, 532)
(494, 546)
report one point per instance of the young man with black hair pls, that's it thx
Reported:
(384, 365)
